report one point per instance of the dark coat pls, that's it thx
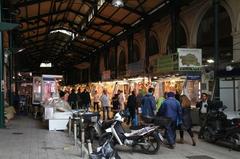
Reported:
(186, 117)
(148, 105)
(171, 108)
(199, 105)
(131, 103)
(85, 96)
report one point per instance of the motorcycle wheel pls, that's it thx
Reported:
(207, 136)
(89, 134)
(235, 140)
(104, 137)
(154, 144)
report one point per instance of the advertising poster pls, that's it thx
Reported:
(189, 59)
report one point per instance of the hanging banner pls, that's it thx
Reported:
(189, 59)
(166, 64)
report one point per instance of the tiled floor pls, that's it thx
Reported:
(26, 138)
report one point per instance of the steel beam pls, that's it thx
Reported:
(2, 119)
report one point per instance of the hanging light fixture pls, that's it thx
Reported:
(117, 3)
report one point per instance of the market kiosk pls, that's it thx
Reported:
(48, 97)
(180, 73)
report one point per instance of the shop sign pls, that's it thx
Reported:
(193, 77)
(106, 75)
(167, 63)
(189, 59)
(135, 68)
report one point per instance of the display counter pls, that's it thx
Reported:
(59, 121)
(56, 120)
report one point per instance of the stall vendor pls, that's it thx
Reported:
(61, 105)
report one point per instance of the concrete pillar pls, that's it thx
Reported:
(236, 46)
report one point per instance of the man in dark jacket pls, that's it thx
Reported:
(204, 106)
(86, 100)
(131, 105)
(171, 108)
(72, 99)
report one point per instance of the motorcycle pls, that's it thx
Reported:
(148, 138)
(86, 121)
(219, 129)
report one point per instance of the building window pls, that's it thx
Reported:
(205, 36)
(153, 46)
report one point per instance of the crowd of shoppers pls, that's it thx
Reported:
(170, 105)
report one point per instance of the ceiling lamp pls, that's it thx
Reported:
(117, 3)
(46, 64)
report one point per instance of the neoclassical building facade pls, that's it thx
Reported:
(196, 24)
(196, 30)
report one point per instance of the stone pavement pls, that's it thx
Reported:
(25, 138)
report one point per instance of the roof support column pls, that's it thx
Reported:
(175, 25)
(11, 69)
(130, 48)
(2, 120)
(216, 47)
(147, 30)
(116, 63)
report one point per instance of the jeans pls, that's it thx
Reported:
(105, 109)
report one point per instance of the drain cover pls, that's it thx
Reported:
(199, 157)
(48, 148)
(17, 133)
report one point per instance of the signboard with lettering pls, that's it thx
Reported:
(167, 63)
(189, 59)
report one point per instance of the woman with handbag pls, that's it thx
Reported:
(186, 119)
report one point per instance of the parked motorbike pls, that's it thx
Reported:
(100, 127)
(148, 138)
(89, 119)
(219, 129)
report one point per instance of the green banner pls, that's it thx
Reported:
(167, 63)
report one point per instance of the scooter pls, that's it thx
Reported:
(148, 138)
(219, 129)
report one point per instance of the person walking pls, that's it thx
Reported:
(148, 104)
(121, 100)
(96, 101)
(86, 100)
(105, 104)
(79, 99)
(160, 100)
(115, 103)
(131, 106)
(186, 119)
(72, 99)
(171, 108)
(204, 106)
